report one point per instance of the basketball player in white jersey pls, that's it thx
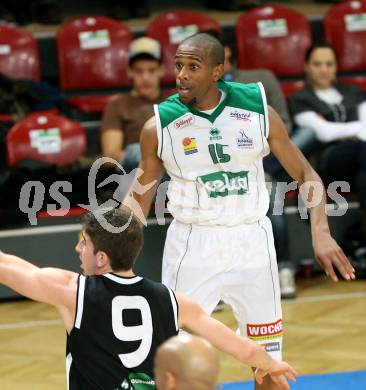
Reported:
(115, 320)
(211, 138)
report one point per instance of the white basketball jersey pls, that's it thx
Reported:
(215, 161)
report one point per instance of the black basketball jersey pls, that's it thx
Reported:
(119, 324)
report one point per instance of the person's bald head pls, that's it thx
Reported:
(186, 362)
(208, 44)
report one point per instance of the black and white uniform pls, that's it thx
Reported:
(119, 324)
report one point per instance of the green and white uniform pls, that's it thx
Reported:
(215, 161)
(220, 245)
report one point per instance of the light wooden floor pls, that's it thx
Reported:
(325, 332)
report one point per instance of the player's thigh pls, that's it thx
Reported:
(253, 290)
(190, 265)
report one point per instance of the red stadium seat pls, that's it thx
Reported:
(92, 54)
(360, 81)
(273, 37)
(46, 137)
(171, 28)
(345, 29)
(290, 87)
(19, 55)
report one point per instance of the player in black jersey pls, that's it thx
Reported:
(114, 319)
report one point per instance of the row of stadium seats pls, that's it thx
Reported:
(92, 51)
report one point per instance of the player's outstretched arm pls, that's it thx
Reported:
(54, 286)
(149, 173)
(326, 250)
(193, 318)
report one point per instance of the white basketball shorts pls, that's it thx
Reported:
(235, 264)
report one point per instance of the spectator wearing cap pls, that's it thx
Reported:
(126, 113)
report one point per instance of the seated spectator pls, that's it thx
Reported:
(126, 113)
(336, 113)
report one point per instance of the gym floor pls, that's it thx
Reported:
(324, 333)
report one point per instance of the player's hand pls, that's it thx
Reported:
(329, 255)
(279, 372)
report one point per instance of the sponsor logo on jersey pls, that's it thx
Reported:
(215, 134)
(240, 116)
(272, 347)
(244, 142)
(225, 183)
(185, 121)
(125, 385)
(138, 381)
(265, 331)
(189, 145)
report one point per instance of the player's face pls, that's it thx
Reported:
(195, 74)
(88, 258)
(321, 68)
(146, 75)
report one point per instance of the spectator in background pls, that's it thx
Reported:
(276, 99)
(336, 113)
(126, 113)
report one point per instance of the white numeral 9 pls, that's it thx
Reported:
(141, 332)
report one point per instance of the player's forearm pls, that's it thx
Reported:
(142, 192)
(315, 198)
(11, 270)
(229, 342)
(245, 350)
(139, 204)
(132, 200)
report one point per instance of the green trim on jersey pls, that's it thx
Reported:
(238, 95)
(171, 109)
(222, 85)
(245, 96)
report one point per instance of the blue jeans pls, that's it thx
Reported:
(132, 157)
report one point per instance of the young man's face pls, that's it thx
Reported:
(195, 73)
(146, 75)
(88, 258)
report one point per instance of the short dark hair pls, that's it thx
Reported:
(216, 34)
(121, 248)
(215, 50)
(321, 45)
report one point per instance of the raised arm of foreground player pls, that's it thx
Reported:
(54, 286)
(150, 171)
(326, 250)
(194, 319)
